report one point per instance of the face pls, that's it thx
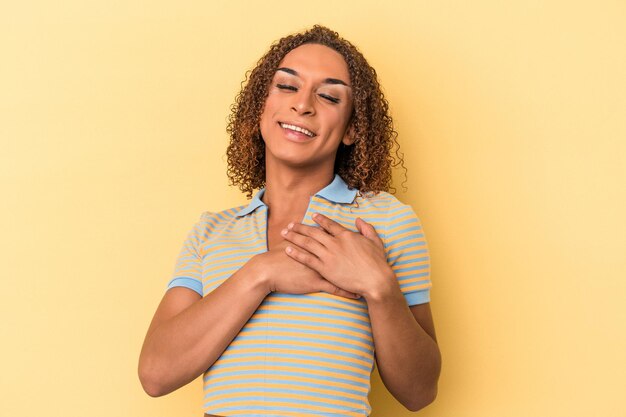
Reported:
(307, 111)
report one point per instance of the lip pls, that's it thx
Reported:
(300, 125)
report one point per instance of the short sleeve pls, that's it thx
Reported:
(188, 269)
(407, 253)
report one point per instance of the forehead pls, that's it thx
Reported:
(314, 60)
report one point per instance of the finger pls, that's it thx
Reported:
(368, 231)
(329, 225)
(330, 288)
(317, 233)
(305, 241)
(304, 258)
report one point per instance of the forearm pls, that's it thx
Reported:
(182, 347)
(408, 358)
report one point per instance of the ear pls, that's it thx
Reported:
(348, 137)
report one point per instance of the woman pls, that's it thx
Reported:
(283, 302)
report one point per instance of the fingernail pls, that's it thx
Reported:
(288, 249)
(314, 215)
(290, 226)
(284, 232)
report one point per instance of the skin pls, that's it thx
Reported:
(407, 354)
(188, 333)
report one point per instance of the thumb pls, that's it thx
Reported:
(367, 230)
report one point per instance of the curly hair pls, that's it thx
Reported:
(365, 165)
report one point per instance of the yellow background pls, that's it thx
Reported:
(511, 118)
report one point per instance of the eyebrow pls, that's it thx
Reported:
(326, 81)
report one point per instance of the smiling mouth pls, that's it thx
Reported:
(297, 129)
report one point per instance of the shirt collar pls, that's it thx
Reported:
(336, 192)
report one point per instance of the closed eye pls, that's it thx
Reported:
(330, 98)
(286, 87)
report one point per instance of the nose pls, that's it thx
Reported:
(303, 103)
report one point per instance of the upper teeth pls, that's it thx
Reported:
(297, 129)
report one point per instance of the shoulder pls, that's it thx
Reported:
(382, 201)
(389, 215)
(212, 220)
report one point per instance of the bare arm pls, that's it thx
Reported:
(189, 333)
(407, 354)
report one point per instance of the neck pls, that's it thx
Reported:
(287, 189)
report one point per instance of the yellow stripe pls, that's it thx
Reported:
(282, 413)
(212, 380)
(395, 227)
(263, 315)
(240, 234)
(320, 337)
(417, 287)
(292, 369)
(287, 361)
(239, 342)
(358, 307)
(297, 326)
(289, 386)
(417, 265)
(407, 242)
(260, 393)
(262, 350)
(408, 234)
(269, 309)
(220, 265)
(409, 276)
(280, 403)
(226, 256)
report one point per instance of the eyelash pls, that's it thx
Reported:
(292, 88)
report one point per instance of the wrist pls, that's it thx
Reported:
(384, 289)
(257, 275)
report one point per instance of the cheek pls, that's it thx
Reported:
(339, 121)
(266, 114)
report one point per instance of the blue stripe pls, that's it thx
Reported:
(252, 248)
(268, 341)
(393, 242)
(412, 283)
(409, 246)
(283, 374)
(366, 357)
(409, 223)
(414, 268)
(336, 300)
(296, 330)
(279, 304)
(307, 384)
(270, 399)
(304, 392)
(277, 321)
(308, 353)
(221, 216)
(314, 316)
(408, 255)
(280, 355)
(416, 230)
(411, 260)
(233, 264)
(228, 270)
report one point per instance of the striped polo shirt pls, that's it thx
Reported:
(299, 355)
